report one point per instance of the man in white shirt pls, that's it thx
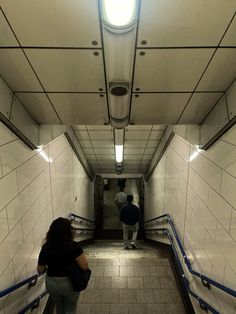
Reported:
(120, 198)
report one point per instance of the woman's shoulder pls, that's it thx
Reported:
(76, 248)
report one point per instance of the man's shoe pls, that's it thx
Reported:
(133, 246)
(126, 248)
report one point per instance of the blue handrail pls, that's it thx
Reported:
(34, 304)
(205, 280)
(203, 304)
(32, 280)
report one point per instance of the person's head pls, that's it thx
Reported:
(60, 232)
(130, 198)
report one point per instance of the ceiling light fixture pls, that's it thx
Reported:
(119, 13)
(119, 153)
(119, 27)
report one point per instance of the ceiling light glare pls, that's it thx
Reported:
(43, 154)
(119, 153)
(119, 13)
(195, 153)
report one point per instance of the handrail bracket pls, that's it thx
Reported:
(206, 284)
(32, 283)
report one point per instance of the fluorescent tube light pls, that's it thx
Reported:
(119, 153)
(119, 13)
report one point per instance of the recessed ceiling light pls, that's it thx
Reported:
(119, 13)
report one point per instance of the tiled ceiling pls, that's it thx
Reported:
(139, 146)
(52, 57)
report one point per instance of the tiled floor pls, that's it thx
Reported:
(129, 281)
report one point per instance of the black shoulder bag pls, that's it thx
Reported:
(79, 277)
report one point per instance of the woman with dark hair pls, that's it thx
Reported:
(57, 253)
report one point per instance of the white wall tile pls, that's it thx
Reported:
(30, 218)
(228, 188)
(200, 186)
(223, 154)
(233, 225)
(227, 246)
(7, 278)
(220, 208)
(6, 134)
(210, 219)
(229, 277)
(192, 198)
(26, 173)
(214, 254)
(17, 208)
(0, 169)
(36, 187)
(41, 162)
(9, 246)
(231, 135)
(26, 196)
(191, 177)
(207, 170)
(179, 163)
(40, 229)
(46, 176)
(12, 155)
(3, 224)
(181, 147)
(57, 147)
(8, 188)
(23, 254)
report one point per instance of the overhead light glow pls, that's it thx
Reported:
(119, 153)
(119, 13)
(195, 153)
(43, 154)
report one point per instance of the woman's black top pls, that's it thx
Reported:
(58, 259)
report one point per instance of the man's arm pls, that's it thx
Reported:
(121, 214)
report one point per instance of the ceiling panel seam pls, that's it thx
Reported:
(204, 71)
(183, 47)
(134, 62)
(29, 63)
(103, 58)
(93, 149)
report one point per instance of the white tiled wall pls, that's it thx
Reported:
(33, 192)
(200, 195)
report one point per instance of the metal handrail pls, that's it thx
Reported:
(203, 304)
(76, 216)
(34, 304)
(31, 281)
(206, 281)
(83, 229)
(155, 218)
